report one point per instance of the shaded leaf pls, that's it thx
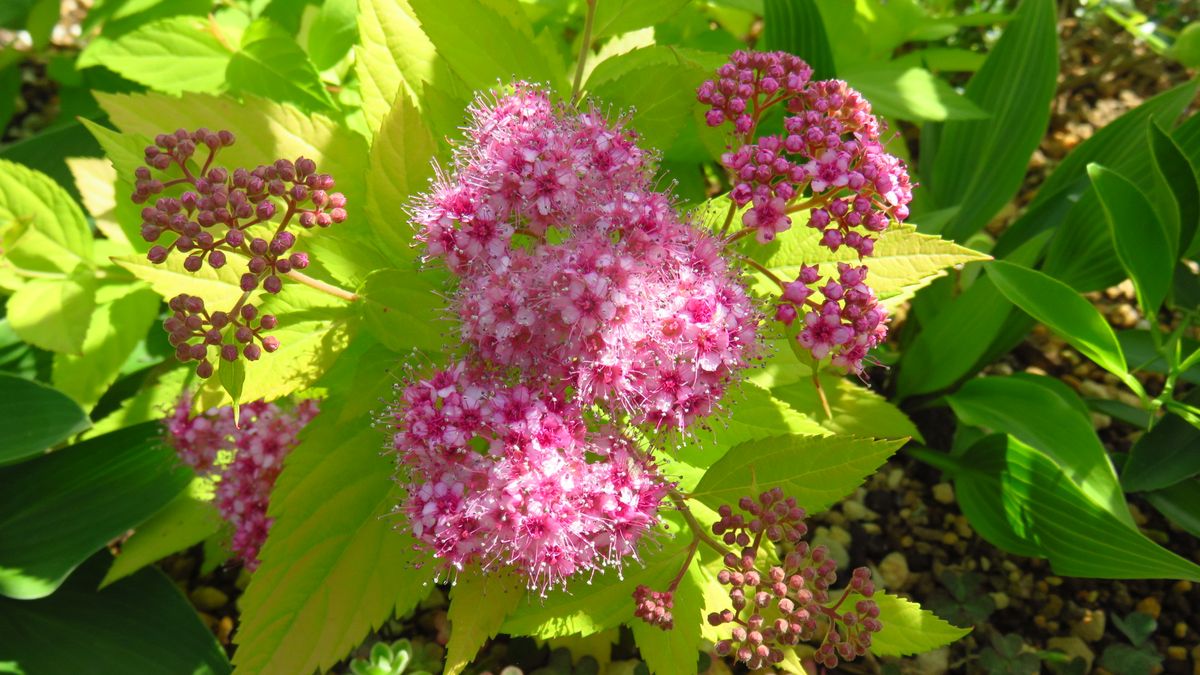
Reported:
(270, 64)
(910, 93)
(908, 629)
(614, 17)
(1142, 244)
(187, 520)
(54, 313)
(34, 418)
(172, 55)
(795, 26)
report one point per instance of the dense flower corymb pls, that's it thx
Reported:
(255, 447)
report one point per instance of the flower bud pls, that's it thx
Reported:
(258, 246)
(229, 352)
(157, 254)
(270, 343)
(249, 282)
(265, 210)
(272, 284)
(216, 259)
(204, 370)
(268, 321)
(248, 312)
(235, 238)
(299, 260)
(251, 352)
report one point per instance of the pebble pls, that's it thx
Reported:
(1073, 647)
(1139, 518)
(935, 662)
(893, 570)
(963, 527)
(1001, 599)
(949, 538)
(836, 540)
(943, 493)
(872, 529)
(1091, 626)
(224, 630)
(1151, 606)
(895, 478)
(1177, 653)
(1053, 606)
(209, 598)
(1093, 389)
(1183, 586)
(858, 511)
(1180, 630)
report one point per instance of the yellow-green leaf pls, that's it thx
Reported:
(479, 604)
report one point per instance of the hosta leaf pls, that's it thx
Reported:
(816, 470)
(172, 55)
(54, 313)
(795, 26)
(1142, 243)
(908, 629)
(266, 131)
(34, 418)
(401, 164)
(605, 601)
(123, 314)
(980, 164)
(1049, 419)
(59, 509)
(187, 520)
(142, 624)
(1165, 455)
(904, 260)
(1179, 201)
(1064, 311)
(334, 567)
(1027, 498)
(479, 603)
(270, 64)
(1180, 503)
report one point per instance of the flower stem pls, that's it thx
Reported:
(322, 286)
(816, 378)
(728, 218)
(768, 273)
(698, 529)
(583, 50)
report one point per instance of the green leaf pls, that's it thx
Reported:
(232, 376)
(908, 629)
(401, 164)
(54, 313)
(60, 508)
(1180, 503)
(1063, 311)
(666, 651)
(141, 625)
(34, 199)
(591, 605)
(1031, 500)
(910, 93)
(795, 26)
(857, 411)
(123, 315)
(34, 418)
(187, 520)
(1142, 244)
(980, 164)
(267, 130)
(1182, 178)
(479, 603)
(171, 55)
(334, 566)
(219, 288)
(333, 33)
(404, 311)
(816, 470)
(904, 260)
(1163, 456)
(633, 80)
(270, 64)
(615, 17)
(1051, 418)
(509, 51)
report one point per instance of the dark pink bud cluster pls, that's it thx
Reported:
(244, 458)
(830, 162)
(193, 331)
(224, 216)
(773, 606)
(511, 477)
(654, 607)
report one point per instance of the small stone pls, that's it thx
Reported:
(949, 538)
(1182, 586)
(837, 540)
(1053, 606)
(943, 493)
(1100, 421)
(893, 570)
(1177, 653)
(209, 598)
(1000, 599)
(963, 527)
(1073, 647)
(209, 621)
(1180, 630)
(1091, 626)
(935, 662)
(1054, 581)
(855, 510)
(985, 564)
(895, 478)
(906, 541)
(1150, 605)
(872, 529)
(1093, 389)
(1139, 518)
(224, 630)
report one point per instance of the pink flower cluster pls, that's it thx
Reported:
(829, 161)
(585, 302)
(255, 447)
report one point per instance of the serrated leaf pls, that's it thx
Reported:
(903, 262)
(123, 315)
(172, 55)
(622, 16)
(404, 311)
(95, 178)
(61, 508)
(1063, 311)
(980, 164)
(54, 313)
(1142, 243)
(333, 566)
(187, 520)
(908, 629)
(142, 624)
(270, 64)
(911, 93)
(857, 411)
(400, 164)
(232, 376)
(479, 604)
(333, 33)
(219, 288)
(816, 470)
(33, 200)
(34, 418)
